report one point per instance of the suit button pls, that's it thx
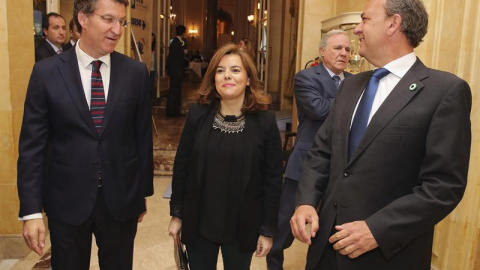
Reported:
(335, 205)
(100, 141)
(346, 173)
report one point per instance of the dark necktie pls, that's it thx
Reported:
(360, 120)
(337, 80)
(59, 51)
(97, 102)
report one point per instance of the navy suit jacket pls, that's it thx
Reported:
(45, 50)
(61, 155)
(408, 172)
(314, 93)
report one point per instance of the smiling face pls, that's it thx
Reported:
(336, 54)
(372, 31)
(99, 37)
(231, 79)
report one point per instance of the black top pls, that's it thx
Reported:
(220, 209)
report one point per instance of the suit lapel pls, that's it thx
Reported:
(71, 76)
(395, 102)
(117, 86)
(205, 127)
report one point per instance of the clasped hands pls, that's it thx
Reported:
(351, 239)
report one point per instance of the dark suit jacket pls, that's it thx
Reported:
(262, 175)
(45, 50)
(408, 172)
(67, 46)
(174, 64)
(314, 93)
(56, 114)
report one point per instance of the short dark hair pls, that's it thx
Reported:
(414, 18)
(180, 30)
(71, 24)
(87, 7)
(46, 19)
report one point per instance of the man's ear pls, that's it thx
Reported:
(82, 19)
(45, 31)
(395, 23)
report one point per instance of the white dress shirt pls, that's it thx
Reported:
(398, 68)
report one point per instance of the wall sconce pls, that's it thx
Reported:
(162, 16)
(173, 16)
(193, 32)
(233, 33)
(250, 18)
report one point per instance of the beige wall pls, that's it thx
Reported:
(17, 54)
(451, 44)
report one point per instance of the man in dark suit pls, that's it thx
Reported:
(175, 69)
(384, 182)
(74, 35)
(85, 150)
(54, 30)
(315, 89)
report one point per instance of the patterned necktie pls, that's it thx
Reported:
(337, 80)
(59, 51)
(97, 104)
(360, 120)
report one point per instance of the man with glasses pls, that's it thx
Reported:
(85, 150)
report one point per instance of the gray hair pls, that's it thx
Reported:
(87, 7)
(329, 34)
(414, 18)
(323, 42)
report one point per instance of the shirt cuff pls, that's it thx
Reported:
(32, 216)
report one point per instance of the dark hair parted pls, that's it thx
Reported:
(414, 18)
(46, 19)
(180, 30)
(87, 7)
(254, 99)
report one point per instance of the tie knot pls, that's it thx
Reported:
(336, 79)
(96, 65)
(379, 73)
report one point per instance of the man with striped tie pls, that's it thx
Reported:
(85, 150)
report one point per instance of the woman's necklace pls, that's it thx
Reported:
(229, 123)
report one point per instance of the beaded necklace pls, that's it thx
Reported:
(229, 124)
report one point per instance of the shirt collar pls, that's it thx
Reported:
(400, 66)
(341, 75)
(85, 59)
(54, 46)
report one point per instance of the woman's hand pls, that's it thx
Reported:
(264, 244)
(174, 227)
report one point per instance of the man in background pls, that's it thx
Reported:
(85, 149)
(54, 30)
(391, 160)
(74, 34)
(175, 68)
(314, 90)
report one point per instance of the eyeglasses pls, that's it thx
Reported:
(112, 20)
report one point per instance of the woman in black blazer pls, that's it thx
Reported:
(228, 170)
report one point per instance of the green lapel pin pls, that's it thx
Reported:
(413, 86)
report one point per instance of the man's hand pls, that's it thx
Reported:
(304, 214)
(174, 227)
(34, 234)
(353, 239)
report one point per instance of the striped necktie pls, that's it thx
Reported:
(97, 104)
(337, 80)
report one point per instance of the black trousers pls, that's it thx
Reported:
(284, 237)
(71, 244)
(203, 255)
(174, 101)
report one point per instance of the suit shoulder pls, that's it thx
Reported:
(443, 76)
(306, 72)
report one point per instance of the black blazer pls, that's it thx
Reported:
(175, 65)
(262, 175)
(45, 50)
(56, 114)
(408, 172)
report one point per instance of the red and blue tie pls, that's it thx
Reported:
(97, 102)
